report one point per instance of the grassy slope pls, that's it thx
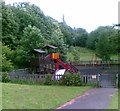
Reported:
(84, 54)
(16, 96)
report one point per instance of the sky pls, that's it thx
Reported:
(87, 14)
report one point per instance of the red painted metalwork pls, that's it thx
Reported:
(57, 66)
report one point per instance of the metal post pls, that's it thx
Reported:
(116, 79)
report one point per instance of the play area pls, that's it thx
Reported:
(56, 57)
(49, 61)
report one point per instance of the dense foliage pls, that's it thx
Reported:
(71, 79)
(48, 80)
(25, 27)
(5, 77)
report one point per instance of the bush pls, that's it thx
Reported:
(76, 55)
(48, 79)
(76, 81)
(70, 79)
(6, 58)
(66, 79)
(5, 77)
(0, 76)
(6, 65)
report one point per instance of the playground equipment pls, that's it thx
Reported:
(95, 61)
(49, 62)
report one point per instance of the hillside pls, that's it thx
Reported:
(25, 27)
(83, 54)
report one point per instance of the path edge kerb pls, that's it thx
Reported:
(74, 99)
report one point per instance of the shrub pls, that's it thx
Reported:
(0, 76)
(70, 79)
(76, 55)
(5, 77)
(66, 79)
(48, 79)
(6, 65)
(6, 58)
(76, 81)
(55, 82)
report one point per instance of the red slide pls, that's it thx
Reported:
(66, 66)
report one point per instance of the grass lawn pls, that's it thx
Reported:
(17, 96)
(114, 102)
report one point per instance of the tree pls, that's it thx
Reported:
(32, 39)
(57, 40)
(114, 41)
(25, 27)
(104, 48)
(106, 31)
(9, 26)
(68, 34)
(6, 57)
(81, 37)
(92, 40)
(30, 14)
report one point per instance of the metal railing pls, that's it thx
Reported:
(98, 62)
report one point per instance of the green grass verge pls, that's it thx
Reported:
(16, 96)
(0, 96)
(114, 102)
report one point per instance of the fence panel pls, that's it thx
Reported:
(31, 77)
(90, 79)
(25, 74)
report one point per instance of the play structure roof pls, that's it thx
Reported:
(50, 46)
(39, 51)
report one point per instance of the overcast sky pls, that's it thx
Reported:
(87, 14)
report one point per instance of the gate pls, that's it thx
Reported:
(108, 80)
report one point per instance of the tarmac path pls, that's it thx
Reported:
(97, 98)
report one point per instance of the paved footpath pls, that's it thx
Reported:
(98, 98)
